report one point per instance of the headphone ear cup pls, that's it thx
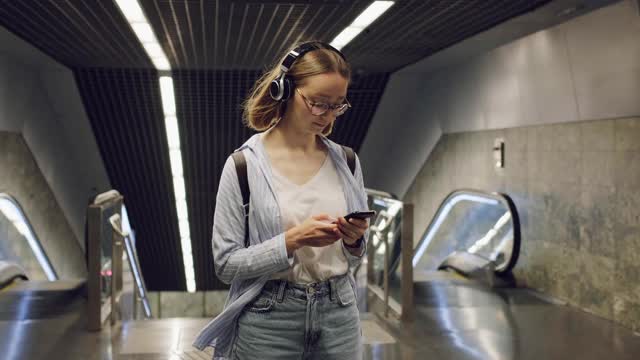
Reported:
(275, 89)
(287, 88)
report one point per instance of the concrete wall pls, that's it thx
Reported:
(39, 100)
(21, 177)
(583, 69)
(577, 188)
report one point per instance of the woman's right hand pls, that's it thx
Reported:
(316, 231)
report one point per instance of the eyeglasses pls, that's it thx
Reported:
(318, 109)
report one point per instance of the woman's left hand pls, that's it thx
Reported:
(351, 230)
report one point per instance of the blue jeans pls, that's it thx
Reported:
(301, 321)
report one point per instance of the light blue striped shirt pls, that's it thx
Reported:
(248, 269)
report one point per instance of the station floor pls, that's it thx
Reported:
(453, 320)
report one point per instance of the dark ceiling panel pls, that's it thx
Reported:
(77, 33)
(243, 34)
(247, 34)
(210, 118)
(414, 29)
(125, 111)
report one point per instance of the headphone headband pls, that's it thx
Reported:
(304, 48)
(282, 87)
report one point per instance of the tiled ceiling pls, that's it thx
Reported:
(77, 33)
(247, 34)
(217, 49)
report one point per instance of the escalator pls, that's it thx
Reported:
(43, 316)
(473, 233)
(465, 302)
(29, 284)
(463, 294)
(24, 299)
(40, 318)
(473, 239)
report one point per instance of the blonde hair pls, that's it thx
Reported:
(260, 111)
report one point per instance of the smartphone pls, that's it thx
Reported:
(362, 215)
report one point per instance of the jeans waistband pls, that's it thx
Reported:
(322, 288)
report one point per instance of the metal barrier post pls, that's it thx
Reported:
(97, 312)
(406, 247)
(94, 321)
(116, 277)
(386, 275)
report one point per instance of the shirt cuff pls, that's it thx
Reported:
(283, 250)
(359, 250)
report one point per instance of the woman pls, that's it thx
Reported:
(292, 292)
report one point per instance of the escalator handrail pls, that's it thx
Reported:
(134, 264)
(9, 272)
(32, 238)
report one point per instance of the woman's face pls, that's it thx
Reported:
(328, 88)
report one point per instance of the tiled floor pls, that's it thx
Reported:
(454, 320)
(174, 336)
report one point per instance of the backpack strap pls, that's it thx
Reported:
(241, 169)
(351, 158)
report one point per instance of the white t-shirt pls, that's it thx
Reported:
(323, 193)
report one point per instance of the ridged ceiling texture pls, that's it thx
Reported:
(217, 50)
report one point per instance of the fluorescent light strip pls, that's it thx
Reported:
(133, 13)
(144, 32)
(175, 158)
(369, 15)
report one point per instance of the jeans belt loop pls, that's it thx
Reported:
(333, 291)
(281, 288)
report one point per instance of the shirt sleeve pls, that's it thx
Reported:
(232, 261)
